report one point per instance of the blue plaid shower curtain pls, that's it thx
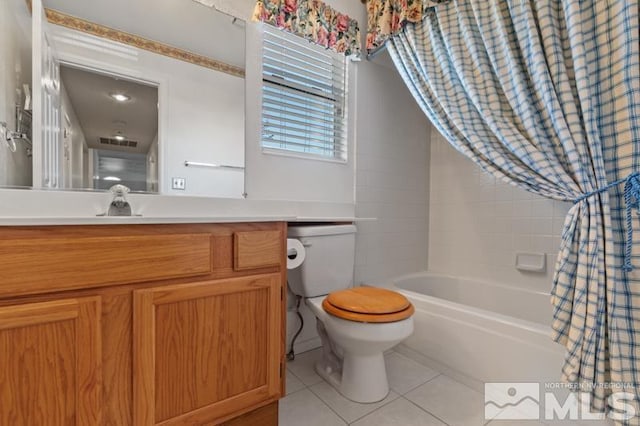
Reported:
(545, 95)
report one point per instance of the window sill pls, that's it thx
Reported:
(303, 156)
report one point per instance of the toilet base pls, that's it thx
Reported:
(363, 379)
(359, 378)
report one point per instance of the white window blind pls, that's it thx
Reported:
(303, 97)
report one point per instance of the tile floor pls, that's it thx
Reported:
(419, 396)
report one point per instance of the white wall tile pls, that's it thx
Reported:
(478, 223)
(392, 180)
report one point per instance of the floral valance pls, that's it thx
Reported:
(313, 20)
(386, 18)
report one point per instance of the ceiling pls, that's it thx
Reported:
(185, 24)
(101, 116)
(242, 9)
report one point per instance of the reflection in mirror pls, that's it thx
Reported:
(197, 75)
(110, 131)
(15, 77)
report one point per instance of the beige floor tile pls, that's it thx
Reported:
(345, 408)
(399, 412)
(405, 374)
(450, 401)
(303, 408)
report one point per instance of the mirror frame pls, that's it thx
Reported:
(78, 24)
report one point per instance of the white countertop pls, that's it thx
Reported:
(37, 207)
(141, 220)
(332, 219)
(136, 220)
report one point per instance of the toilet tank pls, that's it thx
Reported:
(329, 261)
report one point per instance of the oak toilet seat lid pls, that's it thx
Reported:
(368, 304)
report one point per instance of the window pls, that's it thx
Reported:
(303, 97)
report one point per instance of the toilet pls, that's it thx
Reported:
(356, 324)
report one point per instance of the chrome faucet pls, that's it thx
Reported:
(119, 205)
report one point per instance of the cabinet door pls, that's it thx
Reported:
(205, 351)
(50, 355)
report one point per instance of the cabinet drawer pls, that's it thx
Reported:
(257, 249)
(56, 264)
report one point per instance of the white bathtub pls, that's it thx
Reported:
(485, 331)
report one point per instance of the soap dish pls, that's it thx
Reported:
(531, 262)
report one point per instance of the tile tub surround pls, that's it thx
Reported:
(477, 224)
(419, 396)
(392, 179)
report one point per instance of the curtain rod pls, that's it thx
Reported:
(375, 52)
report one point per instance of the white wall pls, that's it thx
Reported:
(205, 123)
(277, 177)
(77, 161)
(201, 112)
(152, 166)
(392, 181)
(15, 70)
(478, 224)
(74, 173)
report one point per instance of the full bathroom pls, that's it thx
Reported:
(304, 212)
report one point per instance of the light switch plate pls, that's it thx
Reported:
(178, 183)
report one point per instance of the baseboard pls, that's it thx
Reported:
(440, 367)
(307, 345)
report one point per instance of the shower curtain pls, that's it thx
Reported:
(545, 95)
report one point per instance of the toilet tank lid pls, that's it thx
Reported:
(318, 230)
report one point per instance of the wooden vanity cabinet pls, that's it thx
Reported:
(51, 358)
(142, 324)
(205, 350)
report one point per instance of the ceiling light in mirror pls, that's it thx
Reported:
(120, 97)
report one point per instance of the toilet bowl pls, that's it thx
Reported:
(356, 324)
(353, 351)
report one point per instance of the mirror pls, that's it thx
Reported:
(15, 74)
(109, 131)
(185, 116)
